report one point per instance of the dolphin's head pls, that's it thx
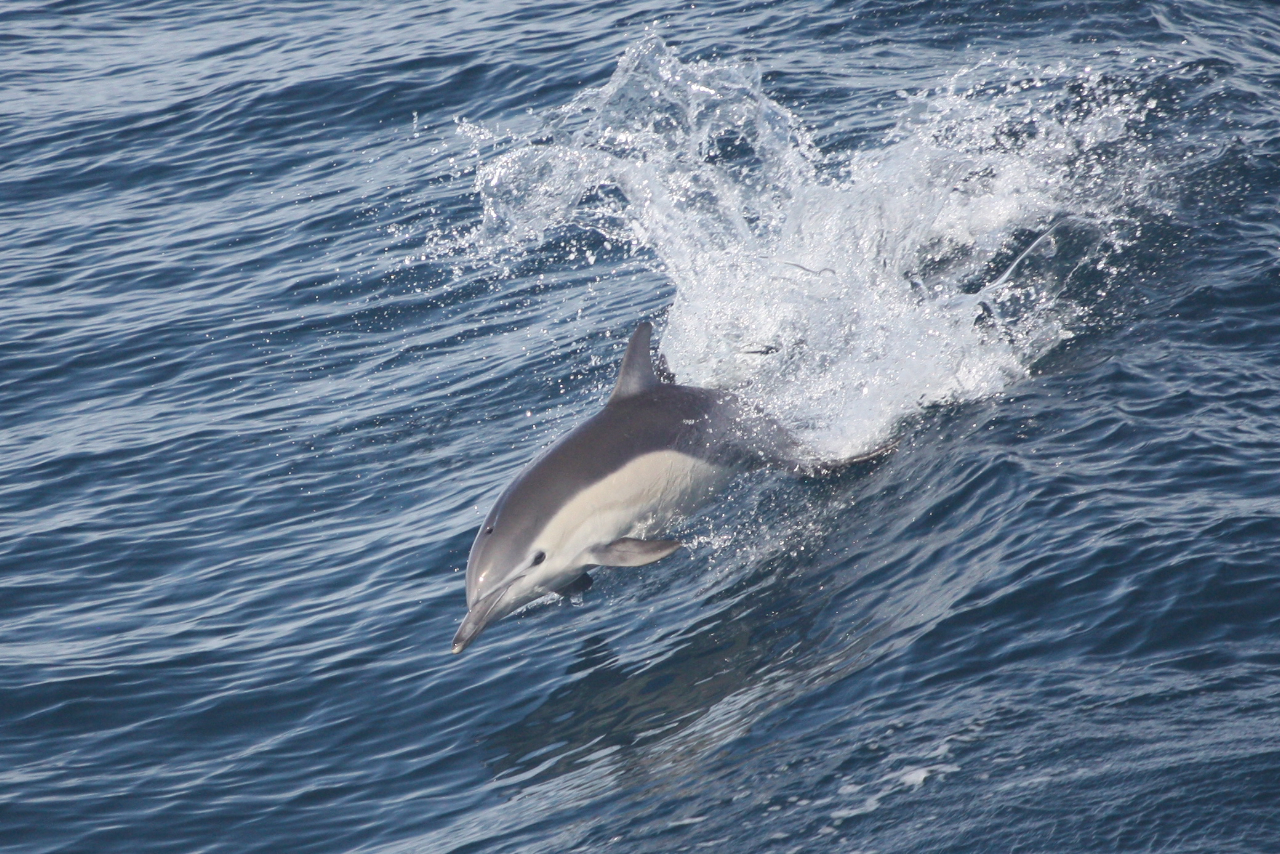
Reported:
(512, 562)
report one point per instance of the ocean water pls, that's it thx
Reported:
(292, 290)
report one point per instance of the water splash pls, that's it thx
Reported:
(841, 292)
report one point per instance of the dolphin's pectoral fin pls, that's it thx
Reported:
(581, 584)
(629, 551)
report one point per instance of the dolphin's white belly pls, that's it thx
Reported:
(650, 489)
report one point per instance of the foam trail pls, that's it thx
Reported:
(840, 293)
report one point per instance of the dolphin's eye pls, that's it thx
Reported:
(539, 557)
(489, 529)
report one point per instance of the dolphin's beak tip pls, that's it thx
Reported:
(463, 638)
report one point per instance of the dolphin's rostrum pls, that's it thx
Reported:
(656, 450)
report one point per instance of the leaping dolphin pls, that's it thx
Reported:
(656, 450)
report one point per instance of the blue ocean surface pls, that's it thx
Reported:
(292, 290)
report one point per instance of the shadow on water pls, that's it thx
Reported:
(625, 709)
(764, 640)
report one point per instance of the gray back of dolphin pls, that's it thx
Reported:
(691, 433)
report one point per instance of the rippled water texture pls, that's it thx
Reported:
(291, 291)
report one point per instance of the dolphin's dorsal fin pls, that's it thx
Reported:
(637, 373)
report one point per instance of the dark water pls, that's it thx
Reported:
(292, 290)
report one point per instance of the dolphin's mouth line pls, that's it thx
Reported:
(481, 615)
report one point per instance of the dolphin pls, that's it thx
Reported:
(656, 450)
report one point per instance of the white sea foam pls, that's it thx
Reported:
(842, 293)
